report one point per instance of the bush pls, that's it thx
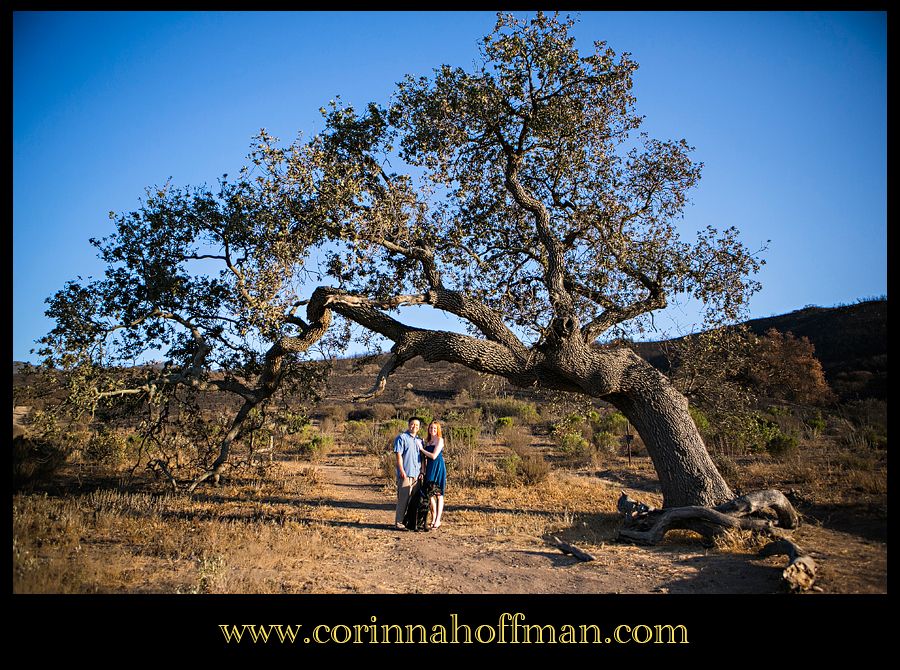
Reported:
(106, 447)
(361, 414)
(573, 444)
(383, 411)
(393, 427)
(700, 419)
(358, 431)
(781, 445)
(611, 422)
(605, 441)
(35, 460)
(503, 423)
(316, 447)
(516, 438)
(507, 466)
(388, 465)
(532, 469)
(510, 407)
(462, 436)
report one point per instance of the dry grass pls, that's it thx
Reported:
(241, 537)
(738, 541)
(270, 529)
(580, 509)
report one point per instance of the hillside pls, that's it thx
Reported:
(850, 341)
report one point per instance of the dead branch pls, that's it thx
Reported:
(800, 574)
(158, 466)
(567, 548)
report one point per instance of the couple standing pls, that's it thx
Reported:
(420, 465)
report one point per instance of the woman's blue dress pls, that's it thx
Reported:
(436, 469)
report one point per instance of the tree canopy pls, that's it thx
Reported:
(519, 196)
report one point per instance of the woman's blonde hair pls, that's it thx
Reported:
(438, 424)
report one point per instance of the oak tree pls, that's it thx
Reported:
(518, 196)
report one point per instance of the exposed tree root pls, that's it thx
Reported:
(649, 526)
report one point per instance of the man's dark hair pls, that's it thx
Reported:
(415, 418)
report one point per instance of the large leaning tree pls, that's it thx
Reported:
(519, 197)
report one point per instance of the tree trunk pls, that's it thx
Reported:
(659, 413)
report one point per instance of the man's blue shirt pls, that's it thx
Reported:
(408, 447)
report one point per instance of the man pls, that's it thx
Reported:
(406, 449)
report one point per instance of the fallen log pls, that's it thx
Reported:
(567, 548)
(800, 574)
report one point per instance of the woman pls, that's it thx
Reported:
(435, 471)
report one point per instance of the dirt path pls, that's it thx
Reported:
(468, 557)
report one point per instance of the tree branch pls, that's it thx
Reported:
(559, 297)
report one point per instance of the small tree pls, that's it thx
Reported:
(530, 211)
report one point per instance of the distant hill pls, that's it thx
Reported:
(850, 341)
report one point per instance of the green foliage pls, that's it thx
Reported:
(700, 419)
(504, 422)
(293, 422)
(394, 427)
(611, 422)
(509, 407)
(358, 431)
(605, 441)
(316, 447)
(106, 447)
(462, 436)
(572, 444)
(816, 423)
(781, 445)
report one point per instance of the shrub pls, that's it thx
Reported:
(605, 441)
(316, 447)
(726, 466)
(393, 427)
(503, 423)
(781, 445)
(815, 424)
(462, 436)
(611, 422)
(507, 468)
(358, 431)
(106, 447)
(532, 469)
(573, 444)
(516, 438)
(361, 414)
(383, 411)
(388, 467)
(35, 460)
(510, 407)
(700, 419)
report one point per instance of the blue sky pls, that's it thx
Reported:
(788, 112)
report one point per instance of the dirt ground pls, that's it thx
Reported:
(327, 527)
(467, 555)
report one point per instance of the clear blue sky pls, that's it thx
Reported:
(788, 111)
